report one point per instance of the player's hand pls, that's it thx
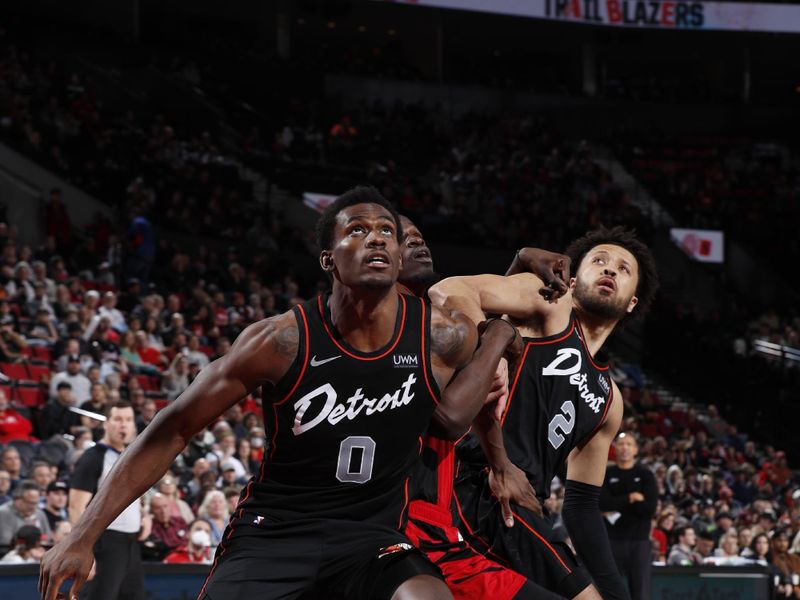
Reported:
(69, 559)
(498, 394)
(550, 267)
(511, 485)
(635, 497)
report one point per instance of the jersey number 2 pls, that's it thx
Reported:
(363, 472)
(562, 423)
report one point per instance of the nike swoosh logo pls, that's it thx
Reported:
(316, 363)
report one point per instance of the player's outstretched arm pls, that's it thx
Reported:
(262, 353)
(465, 395)
(586, 469)
(552, 268)
(478, 295)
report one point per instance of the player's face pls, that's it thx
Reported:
(606, 280)
(417, 258)
(365, 252)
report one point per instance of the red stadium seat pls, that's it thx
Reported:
(37, 371)
(148, 383)
(43, 353)
(207, 350)
(7, 390)
(15, 371)
(30, 394)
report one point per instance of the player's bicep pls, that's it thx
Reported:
(454, 338)
(587, 464)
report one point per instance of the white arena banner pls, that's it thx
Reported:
(658, 14)
(703, 245)
(318, 202)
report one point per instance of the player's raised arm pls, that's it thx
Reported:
(261, 354)
(552, 268)
(478, 295)
(464, 396)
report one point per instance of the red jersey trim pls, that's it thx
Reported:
(350, 354)
(424, 351)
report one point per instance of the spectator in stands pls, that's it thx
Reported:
(232, 495)
(13, 425)
(141, 240)
(56, 416)
(146, 414)
(40, 277)
(79, 383)
(177, 507)
(22, 510)
(194, 354)
(26, 548)
(788, 564)
(193, 485)
(745, 538)
(55, 504)
(42, 331)
(109, 309)
(71, 346)
(39, 302)
(682, 553)
(662, 532)
(198, 545)
(97, 403)
(5, 487)
(152, 359)
(12, 343)
(214, 509)
(43, 474)
(177, 327)
(705, 543)
(20, 288)
(11, 462)
(61, 531)
(176, 378)
(169, 530)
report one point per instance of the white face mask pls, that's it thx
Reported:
(201, 538)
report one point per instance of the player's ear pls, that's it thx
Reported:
(572, 281)
(326, 260)
(632, 304)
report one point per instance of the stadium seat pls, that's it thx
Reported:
(30, 394)
(15, 371)
(148, 383)
(36, 371)
(207, 350)
(43, 353)
(7, 390)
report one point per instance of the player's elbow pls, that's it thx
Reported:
(449, 425)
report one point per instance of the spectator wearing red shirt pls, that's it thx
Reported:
(169, 529)
(198, 547)
(13, 426)
(147, 353)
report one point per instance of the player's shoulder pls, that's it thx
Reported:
(453, 336)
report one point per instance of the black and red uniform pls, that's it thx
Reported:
(558, 399)
(344, 430)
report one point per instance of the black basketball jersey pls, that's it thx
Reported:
(344, 426)
(558, 398)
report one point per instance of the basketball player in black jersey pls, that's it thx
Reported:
(356, 376)
(563, 408)
(431, 525)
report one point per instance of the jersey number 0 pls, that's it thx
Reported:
(362, 472)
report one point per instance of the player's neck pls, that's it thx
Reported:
(595, 330)
(365, 319)
(415, 289)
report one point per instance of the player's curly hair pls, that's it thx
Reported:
(625, 238)
(361, 194)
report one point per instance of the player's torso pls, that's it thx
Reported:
(345, 426)
(558, 398)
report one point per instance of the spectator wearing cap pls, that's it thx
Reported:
(56, 416)
(705, 543)
(13, 425)
(683, 553)
(724, 522)
(27, 547)
(705, 519)
(11, 343)
(81, 386)
(197, 549)
(22, 510)
(55, 503)
(766, 521)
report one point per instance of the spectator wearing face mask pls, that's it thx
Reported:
(198, 546)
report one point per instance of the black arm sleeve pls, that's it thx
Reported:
(581, 513)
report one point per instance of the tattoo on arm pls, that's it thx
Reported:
(285, 340)
(447, 340)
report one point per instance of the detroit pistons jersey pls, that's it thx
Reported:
(558, 398)
(345, 426)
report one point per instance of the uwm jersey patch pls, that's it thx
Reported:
(558, 399)
(344, 426)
